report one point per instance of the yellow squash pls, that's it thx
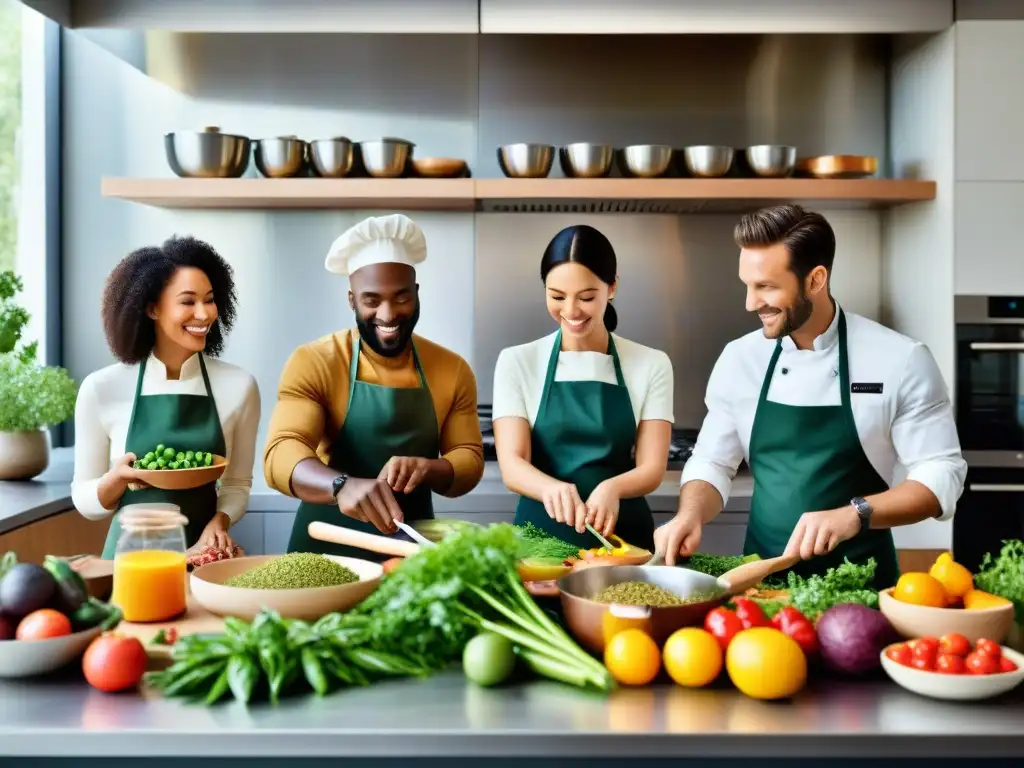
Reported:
(976, 600)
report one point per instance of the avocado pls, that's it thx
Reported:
(26, 587)
(7, 628)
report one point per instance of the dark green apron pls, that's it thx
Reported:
(380, 422)
(809, 459)
(584, 434)
(185, 422)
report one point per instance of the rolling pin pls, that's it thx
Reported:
(385, 545)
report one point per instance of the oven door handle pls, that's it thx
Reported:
(997, 487)
(997, 346)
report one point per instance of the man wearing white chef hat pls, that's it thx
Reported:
(371, 420)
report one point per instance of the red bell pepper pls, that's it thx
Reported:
(797, 626)
(723, 625)
(750, 613)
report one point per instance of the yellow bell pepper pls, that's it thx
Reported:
(620, 549)
(976, 600)
(955, 578)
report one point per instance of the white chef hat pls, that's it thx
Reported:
(395, 239)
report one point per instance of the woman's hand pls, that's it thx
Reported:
(118, 479)
(215, 534)
(563, 504)
(603, 508)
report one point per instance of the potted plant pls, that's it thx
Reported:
(32, 396)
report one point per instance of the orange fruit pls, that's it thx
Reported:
(920, 589)
(619, 618)
(632, 657)
(766, 664)
(692, 657)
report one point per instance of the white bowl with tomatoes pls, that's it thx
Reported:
(952, 667)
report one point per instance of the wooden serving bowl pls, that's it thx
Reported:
(210, 591)
(911, 620)
(439, 167)
(184, 479)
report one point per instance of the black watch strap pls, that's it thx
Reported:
(864, 512)
(338, 484)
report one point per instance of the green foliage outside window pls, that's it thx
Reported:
(10, 120)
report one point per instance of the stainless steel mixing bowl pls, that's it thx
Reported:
(708, 161)
(773, 161)
(385, 158)
(207, 154)
(646, 160)
(331, 158)
(586, 161)
(526, 161)
(280, 157)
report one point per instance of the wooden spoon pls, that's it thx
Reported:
(745, 576)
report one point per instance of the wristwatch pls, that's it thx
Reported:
(338, 484)
(864, 512)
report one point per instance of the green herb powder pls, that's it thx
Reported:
(638, 593)
(298, 570)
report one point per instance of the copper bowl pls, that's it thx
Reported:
(838, 166)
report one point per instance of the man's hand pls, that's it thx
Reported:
(680, 536)
(603, 508)
(370, 501)
(215, 534)
(404, 474)
(818, 533)
(563, 504)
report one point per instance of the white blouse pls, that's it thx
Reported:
(520, 371)
(104, 409)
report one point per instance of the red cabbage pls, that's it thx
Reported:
(852, 637)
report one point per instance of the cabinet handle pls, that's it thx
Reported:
(997, 346)
(997, 487)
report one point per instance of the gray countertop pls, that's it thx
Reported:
(26, 502)
(447, 716)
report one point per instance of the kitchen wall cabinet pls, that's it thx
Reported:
(662, 17)
(989, 101)
(987, 238)
(385, 16)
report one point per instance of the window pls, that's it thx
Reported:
(10, 129)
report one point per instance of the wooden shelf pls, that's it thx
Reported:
(518, 195)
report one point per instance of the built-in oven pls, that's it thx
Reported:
(990, 423)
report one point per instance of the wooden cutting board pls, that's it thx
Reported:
(197, 620)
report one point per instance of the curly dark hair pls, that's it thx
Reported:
(137, 282)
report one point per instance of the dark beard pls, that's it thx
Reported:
(795, 317)
(368, 334)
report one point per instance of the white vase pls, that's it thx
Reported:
(23, 455)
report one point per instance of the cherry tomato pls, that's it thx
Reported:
(723, 625)
(955, 644)
(981, 663)
(42, 624)
(1005, 665)
(926, 664)
(988, 647)
(927, 642)
(926, 652)
(900, 653)
(950, 664)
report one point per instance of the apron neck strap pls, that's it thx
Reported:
(353, 367)
(844, 365)
(549, 375)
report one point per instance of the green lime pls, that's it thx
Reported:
(488, 659)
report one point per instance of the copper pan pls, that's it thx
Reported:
(592, 623)
(838, 166)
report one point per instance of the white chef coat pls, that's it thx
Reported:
(104, 409)
(907, 427)
(520, 372)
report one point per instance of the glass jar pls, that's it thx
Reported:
(149, 563)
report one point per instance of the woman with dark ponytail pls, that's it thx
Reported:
(582, 417)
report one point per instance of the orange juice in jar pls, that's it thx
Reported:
(149, 563)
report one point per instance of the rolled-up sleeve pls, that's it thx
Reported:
(924, 431)
(719, 450)
(461, 441)
(236, 483)
(297, 423)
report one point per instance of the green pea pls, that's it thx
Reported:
(208, 459)
(160, 448)
(149, 456)
(186, 464)
(168, 453)
(161, 463)
(173, 465)
(179, 456)
(190, 455)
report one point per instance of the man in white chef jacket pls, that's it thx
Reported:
(823, 405)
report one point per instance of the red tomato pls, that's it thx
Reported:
(988, 647)
(927, 642)
(392, 564)
(113, 663)
(1005, 665)
(900, 653)
(982, 663)
(924, 663)
(723, 625)
(950, 664)
(925, 651)
(955, 644)
(750, 613)
(42, 624)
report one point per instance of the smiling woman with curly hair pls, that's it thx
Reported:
(166, 313)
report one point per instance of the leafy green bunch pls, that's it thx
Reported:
(32, 396)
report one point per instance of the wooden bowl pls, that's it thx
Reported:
(184, 479)
(937, 685)
(210, 591)
(922, 621)
(439, 167)
(98, 574)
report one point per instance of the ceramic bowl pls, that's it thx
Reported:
(922, 621)
(210, 591)
(937, 685)
(27, 658)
